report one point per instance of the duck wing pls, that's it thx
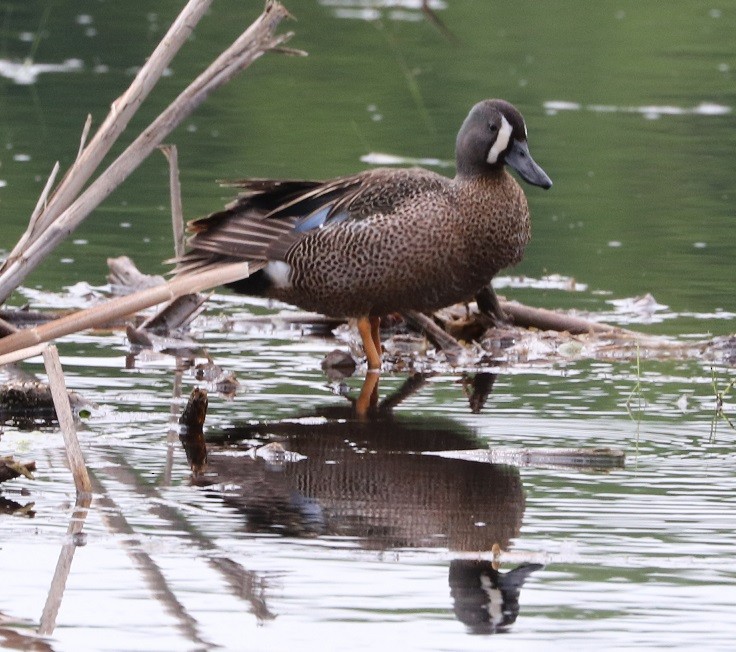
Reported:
(270, 216)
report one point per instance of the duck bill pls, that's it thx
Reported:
(518, 157)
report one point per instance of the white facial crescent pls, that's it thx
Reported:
(502, 141)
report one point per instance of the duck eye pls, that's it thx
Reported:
(493, 127)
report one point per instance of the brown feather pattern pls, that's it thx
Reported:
(382, 240)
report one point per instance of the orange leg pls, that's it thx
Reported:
(376, 334)
(368, 397)
(366, 329)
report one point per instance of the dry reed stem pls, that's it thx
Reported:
(121, 111)
(122, 306)
(177, 212)
(24, 353)
(66, 420)
(254, 42)
(32, 231)
(84, 136)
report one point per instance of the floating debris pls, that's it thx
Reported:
(25, 73)
(8, 506)
(10, 469)
(651, 112)
(125, 278)
(593, 458)
(379, 158)
(338, 364)
(372, 10)
(274, 454)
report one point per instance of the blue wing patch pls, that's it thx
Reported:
(319, 218)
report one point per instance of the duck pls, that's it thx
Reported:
(384, 240)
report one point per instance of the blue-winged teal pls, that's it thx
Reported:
(383, 240)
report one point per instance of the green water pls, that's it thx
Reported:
(630, 108)
(662, 188)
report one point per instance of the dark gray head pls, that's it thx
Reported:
(494, 135)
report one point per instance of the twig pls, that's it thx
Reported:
(66, 420)
(121, 306)
(636, 391)
(719, 397)
(177, 213)
(85, 133)
(437, 22)
(173, 434)
(32, 230)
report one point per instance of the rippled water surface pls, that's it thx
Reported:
(385, 532)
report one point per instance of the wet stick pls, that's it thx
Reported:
(66, 420)
(173, 434)
(452, 348)
(180, 312)
(10, 469)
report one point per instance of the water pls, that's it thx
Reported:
(363, 543)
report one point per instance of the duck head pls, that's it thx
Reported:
(493, 135)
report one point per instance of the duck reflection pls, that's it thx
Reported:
(484, 599)
(373, 477)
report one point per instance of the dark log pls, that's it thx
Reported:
(441, 339)
(549, 320)
(10, 469)
(30, 403)
(192, 431)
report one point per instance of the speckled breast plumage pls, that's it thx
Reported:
(439, 245)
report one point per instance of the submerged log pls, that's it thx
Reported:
(12, 319)
(29, 403)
